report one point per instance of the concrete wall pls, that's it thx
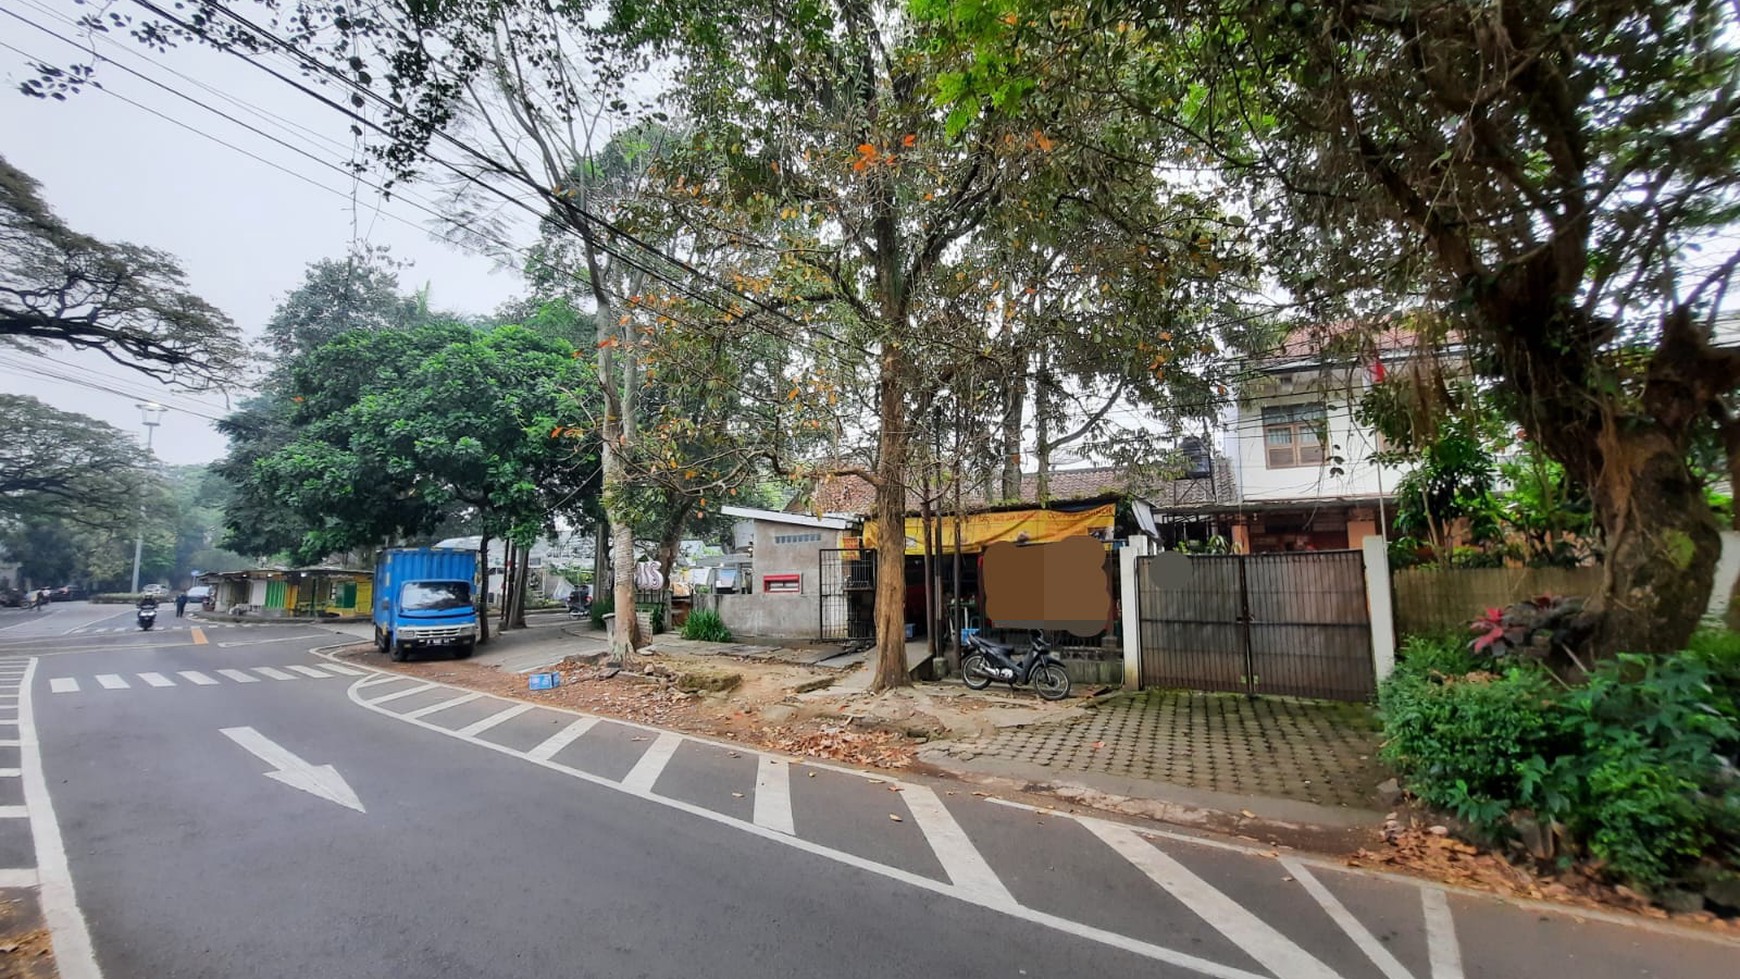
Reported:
(801, 557)
(786, 616)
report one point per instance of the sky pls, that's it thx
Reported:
(243, 231)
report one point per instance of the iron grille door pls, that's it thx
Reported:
(847, 596)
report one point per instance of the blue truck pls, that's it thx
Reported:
(424, 600)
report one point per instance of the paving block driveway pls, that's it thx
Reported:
(1314, 751)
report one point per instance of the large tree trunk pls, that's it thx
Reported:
(483, 589)
(1014, 413)
(1662, 545)
(509, 565)
(892, 449)
(522, 581)
(1661, 537)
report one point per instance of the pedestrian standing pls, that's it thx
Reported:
(180, 604)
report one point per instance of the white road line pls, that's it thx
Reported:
(275, 674)
(478, 727)
(11, 772)
(157, 680)
(197, 677)
(239, 676)
(547, 749)
(1441, 947)
(1256, 937)
(464, 698)
(345, 670)
(773, 795)
(73, 955)
(645, 772)
(408, 691)
(262, 642)
(378, 679)
(11, 743)
(1356, 930)
(310, 671)
(18, 877)
(965, 865)
(1136, 946)
(63, 684)
(112, 681)
(14, 812)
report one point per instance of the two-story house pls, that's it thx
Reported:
(1303, 464)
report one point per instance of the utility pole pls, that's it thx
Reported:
(151, 415)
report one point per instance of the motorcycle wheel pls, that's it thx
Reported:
(973, 672)
(1052, 682)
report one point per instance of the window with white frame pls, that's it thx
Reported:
(1293, 436)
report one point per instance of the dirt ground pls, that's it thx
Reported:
(25, 949)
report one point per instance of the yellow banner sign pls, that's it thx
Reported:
(980, 530)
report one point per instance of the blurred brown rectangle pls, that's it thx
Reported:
(1061, 585)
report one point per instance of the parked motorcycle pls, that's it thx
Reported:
(147, 616)
(986, 661)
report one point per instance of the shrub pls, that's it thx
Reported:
(1469, 742)
(601, 606)
(1637, 765)
(704, 625)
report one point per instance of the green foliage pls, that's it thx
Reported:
(603, 603)
(60, 464)
(657, 619)
(704, 625)
(1637, 765)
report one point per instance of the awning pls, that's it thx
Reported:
(978, 530)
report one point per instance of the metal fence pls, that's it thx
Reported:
(1292, 624)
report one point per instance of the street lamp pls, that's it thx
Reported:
(151, 415)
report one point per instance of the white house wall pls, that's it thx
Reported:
(1360, 477)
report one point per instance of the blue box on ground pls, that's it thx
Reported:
(544, 681)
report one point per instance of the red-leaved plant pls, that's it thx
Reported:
(1531, 628)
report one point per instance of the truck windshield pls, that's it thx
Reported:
(435, 596)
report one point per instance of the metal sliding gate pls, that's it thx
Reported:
(847, 594)
(1294, 623)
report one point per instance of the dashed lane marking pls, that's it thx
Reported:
(197, 677)
(464, 698)
(239, 676)
(408, 691)
(479, 726)
(63, 684)
(112, 681)
(309, 671)
(1442, 950)
(1380, 956)
(773, 795)
(1278, 953)
(274, 674)
(546, 749)
(645, 773)
(157, 679)
(199, 638)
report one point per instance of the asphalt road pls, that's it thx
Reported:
(458, 835)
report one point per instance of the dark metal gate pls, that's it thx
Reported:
(1294, 624)
(847, 594)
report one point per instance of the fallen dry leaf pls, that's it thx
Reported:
(896, 818)
(736, 795)
(1247, 814)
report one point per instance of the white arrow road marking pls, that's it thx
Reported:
(321, 780)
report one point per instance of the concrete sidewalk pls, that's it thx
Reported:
(1297, 761)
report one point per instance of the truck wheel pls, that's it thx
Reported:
(380, 639)
(464, 651)
(397, 651)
